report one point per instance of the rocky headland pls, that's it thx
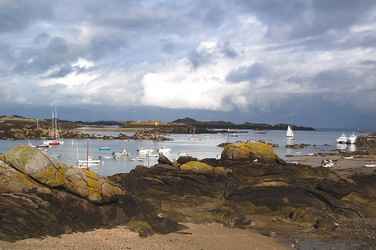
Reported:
(249, 187)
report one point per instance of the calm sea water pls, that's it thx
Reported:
(200, 146)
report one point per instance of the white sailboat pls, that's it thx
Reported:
(54, 132)
(89, 162)
(289, 132)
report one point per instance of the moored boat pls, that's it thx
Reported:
(289, 132)
(164, 150)
(147, 153)
(54, 133)
(342, 139)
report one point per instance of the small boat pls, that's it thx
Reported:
(43, 146)
(104, 149)
(342, 139)
(147, 153)
(105, 157)
(164, 151)
(88, 163)
(55, 142)
(120, 155)
(352, 139)
(289, 132)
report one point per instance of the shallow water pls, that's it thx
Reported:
(200, 146)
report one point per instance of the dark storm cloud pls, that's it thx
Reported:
(369, 62)
(39, 60)
(334, 78)
(321, 46)
(16, 15)
(299, 18)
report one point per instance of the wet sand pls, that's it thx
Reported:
(351, 162)
(205, 237)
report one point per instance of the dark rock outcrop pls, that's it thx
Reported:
(249, 182)
(296, 196)
(249, 151)
(41, 196)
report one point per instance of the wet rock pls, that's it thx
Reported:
(149, 135)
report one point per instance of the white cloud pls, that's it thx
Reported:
(180, 86)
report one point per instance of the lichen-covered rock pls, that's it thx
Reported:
(89, 185)
(37, 165)
(12, 180)
(249, 151)
(203, 168)
(47, 171)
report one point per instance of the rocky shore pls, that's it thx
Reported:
(249, 188)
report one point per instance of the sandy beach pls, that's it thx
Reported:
(205, 237)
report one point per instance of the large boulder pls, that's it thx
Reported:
(48, 172)
(249, 151)
(13, 181)
(88, 184)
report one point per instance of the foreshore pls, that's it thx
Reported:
(195, 236)
(248, 198)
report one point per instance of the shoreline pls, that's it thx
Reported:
(211, 236)
(249, 193)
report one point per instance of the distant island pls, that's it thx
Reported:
(19, 127)
(246, 125)
(190, 125)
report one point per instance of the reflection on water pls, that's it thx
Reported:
(198, 145)
(346, 147)
(290, 141)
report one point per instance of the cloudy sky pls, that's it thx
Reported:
(311, 62)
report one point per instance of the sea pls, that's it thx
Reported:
(196, 145)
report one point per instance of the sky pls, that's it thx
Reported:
(309, 62)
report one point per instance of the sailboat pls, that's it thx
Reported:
(54, 132)
(89, 162)
(289, 132)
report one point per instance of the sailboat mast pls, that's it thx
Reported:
(87, 154)
(56, 130)
(52, 123)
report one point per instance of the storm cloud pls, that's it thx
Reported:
(207, 57)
